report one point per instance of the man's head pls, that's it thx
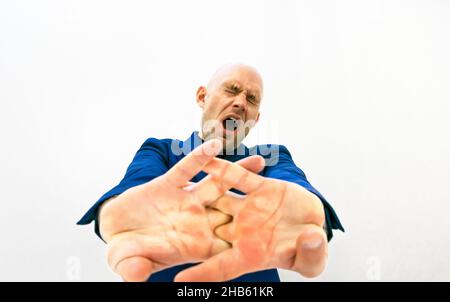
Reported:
(230, 103)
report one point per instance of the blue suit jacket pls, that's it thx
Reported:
(157, 156)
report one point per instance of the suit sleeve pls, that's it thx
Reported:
(149, 162)
(283, 167)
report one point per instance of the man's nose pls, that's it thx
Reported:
(240, 102)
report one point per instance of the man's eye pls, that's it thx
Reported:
(232, 89)
(253, 99)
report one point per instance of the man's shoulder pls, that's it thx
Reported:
(168, 147)
(193, 139)
(163, 146)
(268, 149)
(158, 141)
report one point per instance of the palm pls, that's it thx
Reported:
(167, 224)
(266, 225)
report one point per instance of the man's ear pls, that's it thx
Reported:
(257, 118)
(200, 96)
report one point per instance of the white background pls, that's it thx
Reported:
(357, 90)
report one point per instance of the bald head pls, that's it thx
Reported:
(234, 68)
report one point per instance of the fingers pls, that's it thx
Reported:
(230, 203)
(218, 246)
(193, 163)
(189, 184)
(254, 163)
(312, 251)
(226, 232)
(231, 175)
(210, 188)
(222, 267)
(217, 218)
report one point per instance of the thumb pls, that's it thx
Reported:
(312, 251)
(134, 269)
(130, 256)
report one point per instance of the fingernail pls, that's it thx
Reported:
(313, 243)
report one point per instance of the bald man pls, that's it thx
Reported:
(211, 209)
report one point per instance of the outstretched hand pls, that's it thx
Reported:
(276, 224)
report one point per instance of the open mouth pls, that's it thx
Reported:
(230, 124)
